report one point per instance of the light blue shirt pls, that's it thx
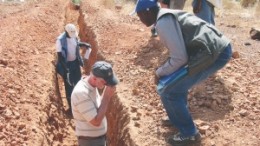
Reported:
(171, 36)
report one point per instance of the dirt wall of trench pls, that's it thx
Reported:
(118, 119)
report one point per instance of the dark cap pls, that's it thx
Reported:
(142, 5)
(104, 70)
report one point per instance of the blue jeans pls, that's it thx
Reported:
(174, 98)
(207, 12)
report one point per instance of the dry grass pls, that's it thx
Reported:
(248, 3)
(127, 6)
(257, 9)
(248, 8)
(109, 3)
(113, 3)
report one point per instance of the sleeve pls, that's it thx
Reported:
(170, 34)
(58, 46)
(87, 54)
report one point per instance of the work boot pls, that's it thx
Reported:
(179, 140)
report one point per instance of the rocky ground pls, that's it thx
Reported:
(226, 107)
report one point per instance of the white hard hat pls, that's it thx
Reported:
(71, 30)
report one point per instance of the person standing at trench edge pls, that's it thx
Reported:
(89, 108)
(195, 47)
(69, 58)
(172, 4)
(205, 9)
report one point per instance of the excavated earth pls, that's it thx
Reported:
(226, 107)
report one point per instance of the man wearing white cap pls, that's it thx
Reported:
(69, 59)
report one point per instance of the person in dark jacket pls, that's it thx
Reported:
(191, 42)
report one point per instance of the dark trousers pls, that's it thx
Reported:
(95, 141)
(75, 75)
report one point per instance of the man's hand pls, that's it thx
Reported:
(109, 91)
(197, 6)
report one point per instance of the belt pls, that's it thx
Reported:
(91, 138)
(74, 61)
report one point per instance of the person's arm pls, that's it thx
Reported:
(170, 34)
(84, 44)
(88, 49)
(107, 94)
(61, 60)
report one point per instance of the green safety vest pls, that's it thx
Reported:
(203, 41)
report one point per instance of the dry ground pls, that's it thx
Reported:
(226, 107)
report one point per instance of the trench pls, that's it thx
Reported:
(117, 116)
(54, 127)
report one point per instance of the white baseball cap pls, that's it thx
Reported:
(71, 30)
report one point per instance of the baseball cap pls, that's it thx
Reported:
(71, 29)
(104, 70)
(143, 5)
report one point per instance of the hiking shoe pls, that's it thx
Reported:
(154, 32)
(179, 140)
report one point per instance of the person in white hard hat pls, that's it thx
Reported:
(69, 58)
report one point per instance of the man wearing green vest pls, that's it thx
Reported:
(191, 42)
